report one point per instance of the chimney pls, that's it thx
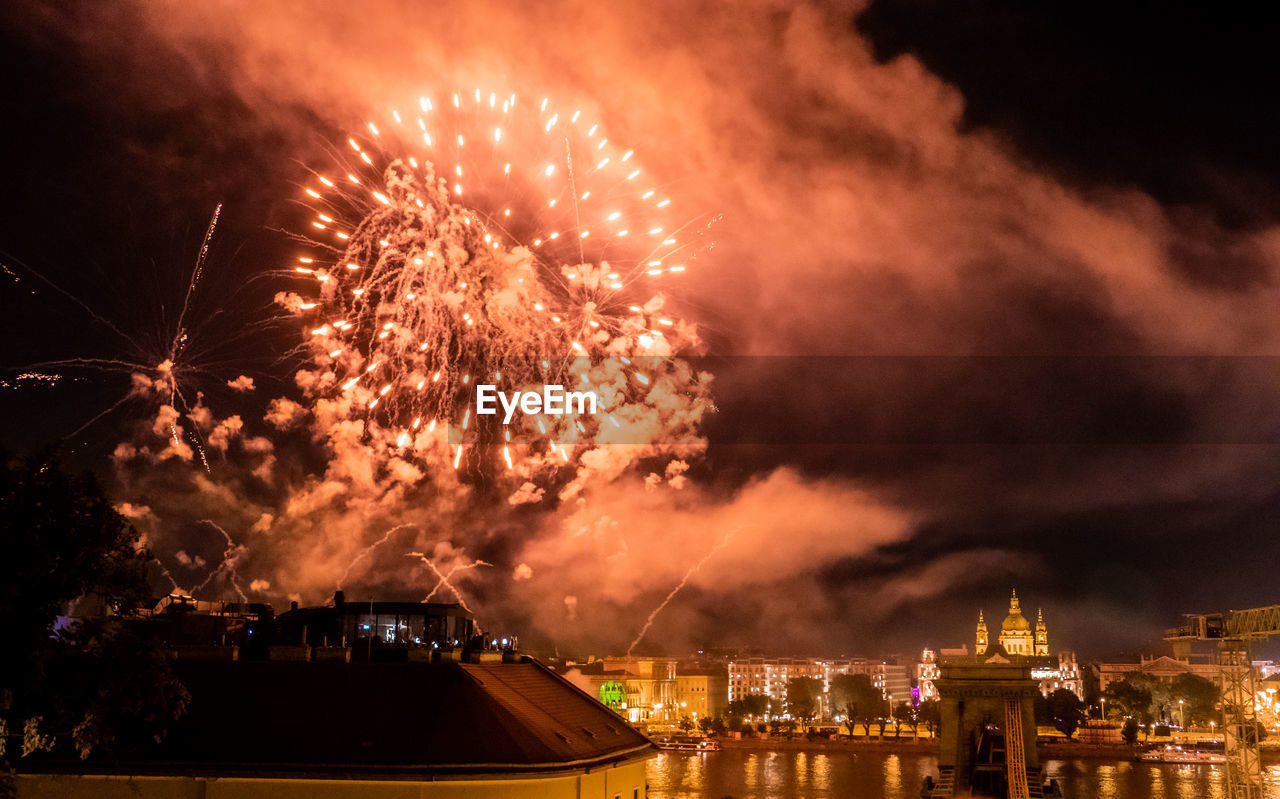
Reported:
(339, 598)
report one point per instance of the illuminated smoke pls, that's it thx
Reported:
(421, 298)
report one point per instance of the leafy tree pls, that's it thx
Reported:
(777, 707)
(1092, 686)
(685, 724)
(1066, 711)
(63, 540)
(905, 713)
(786, 726)
(748, 707)
(858, 699)
(1199, 698)
(804, 697)
(704, 725)
(930, 712)
(1129, 732)
(1132, 697)
(93, 686)
(1161, 697)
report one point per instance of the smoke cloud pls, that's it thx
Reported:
(859, 217)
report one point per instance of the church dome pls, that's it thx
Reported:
(1015, 622)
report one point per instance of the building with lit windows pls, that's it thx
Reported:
(702, 693)
(1163, 668)
(377, 623)
(926, 672)
(650, 688)
(769, 676)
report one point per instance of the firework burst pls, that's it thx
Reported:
(500, 244)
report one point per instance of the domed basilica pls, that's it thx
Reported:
(1016, 635)
(1018, 638)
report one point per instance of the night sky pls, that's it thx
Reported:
(992, 302)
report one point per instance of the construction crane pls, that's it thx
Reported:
(1234, 631)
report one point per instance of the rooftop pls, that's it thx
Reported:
(387, 720)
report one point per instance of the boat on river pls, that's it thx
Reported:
(687, 743)
(1171, 753)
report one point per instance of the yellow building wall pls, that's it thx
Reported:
(620, 782)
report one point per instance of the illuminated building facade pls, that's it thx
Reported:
(1163, 668)
(702, 693)
(769, 676)
(926, 673)
(650, 686)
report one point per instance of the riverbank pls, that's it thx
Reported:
(799, 743)
(1060, 751)
(1074, 749)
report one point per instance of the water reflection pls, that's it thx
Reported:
(1110, 780)
(860, 774)
(893, 774)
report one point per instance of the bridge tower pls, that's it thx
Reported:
(988, 728)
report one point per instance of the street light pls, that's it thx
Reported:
(1182, 722)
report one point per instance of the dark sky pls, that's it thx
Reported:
(995, 287)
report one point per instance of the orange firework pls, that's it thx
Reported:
(488, 239)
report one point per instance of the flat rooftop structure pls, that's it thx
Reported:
(396, 623)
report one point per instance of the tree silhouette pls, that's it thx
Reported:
(74, 685)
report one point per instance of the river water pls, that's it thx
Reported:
(762, 774)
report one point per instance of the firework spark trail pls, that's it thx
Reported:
(444, 579)
(83, 305)
(165, 571)
(231, 556)
(367, 551)
(459, 567)
(197, 270)
(649, 621)
(95, 418)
